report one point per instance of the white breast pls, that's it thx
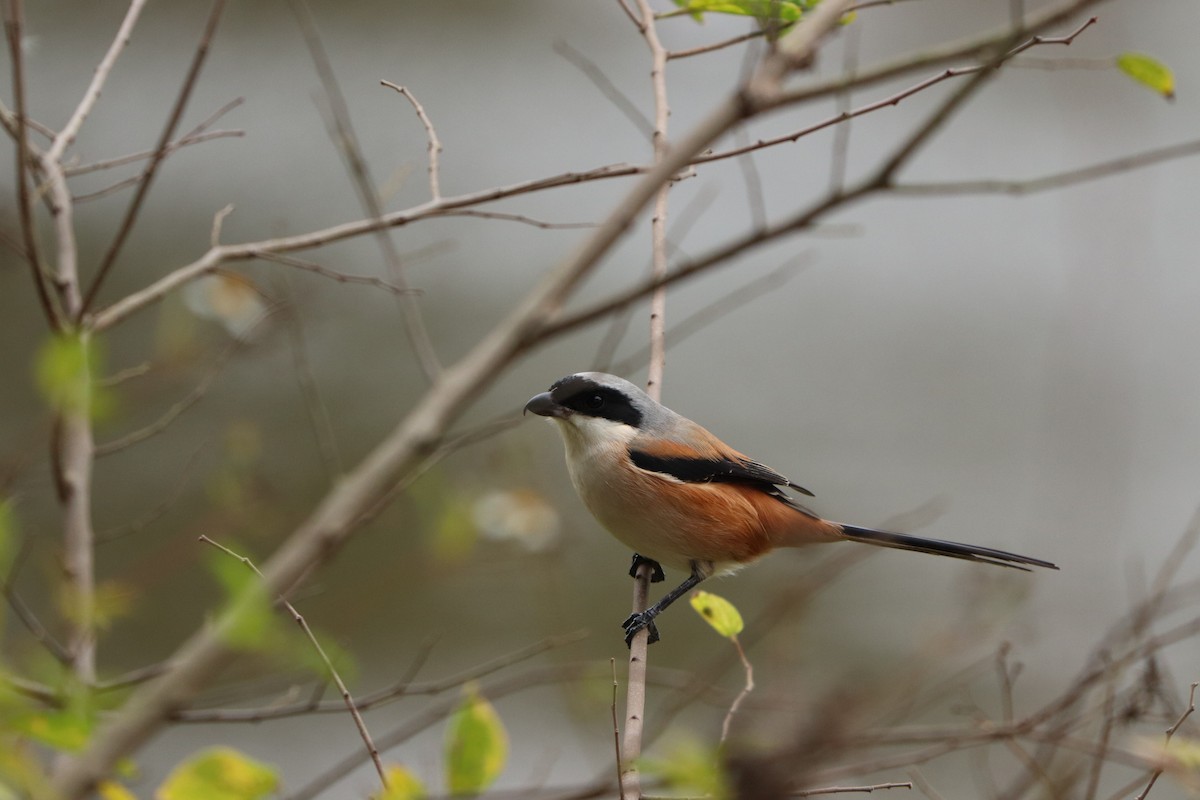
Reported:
(598, 463)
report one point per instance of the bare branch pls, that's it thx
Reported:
(160, 152)
(67, 135)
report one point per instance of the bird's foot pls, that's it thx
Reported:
(635, 623)
(656, 576)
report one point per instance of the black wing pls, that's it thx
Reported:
(720, 470)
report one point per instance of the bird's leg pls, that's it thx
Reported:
(656, 574)
(645, 619)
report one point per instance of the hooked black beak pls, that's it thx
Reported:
(544, 406)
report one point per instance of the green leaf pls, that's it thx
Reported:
(692, 768)
(401, 785)
(66, 369)
(1149, 72)
(718, 612)
(64, 729)
(252, 622)
(781, 10)
(218, 773)
(476, 744)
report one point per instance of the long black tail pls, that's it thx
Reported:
(968, 552)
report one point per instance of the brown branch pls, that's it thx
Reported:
(160, 152)
(13, 29)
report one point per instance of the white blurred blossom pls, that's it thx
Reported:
(520, 515)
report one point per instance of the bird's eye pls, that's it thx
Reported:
(594, 402)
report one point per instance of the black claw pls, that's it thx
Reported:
(635, 623)
(656, 576)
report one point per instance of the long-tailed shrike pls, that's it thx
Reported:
(680, 497)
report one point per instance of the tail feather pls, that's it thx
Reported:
(968, 552)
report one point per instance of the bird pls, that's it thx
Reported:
(679, 497)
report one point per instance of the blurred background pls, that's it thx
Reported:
(1023, 371)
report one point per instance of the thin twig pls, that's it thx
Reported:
(332, 274)
(435, 144)
(1057, 180)
(198, 392)
(852, 789)
(1170, 732)
(748, 668)
(196, 135)
(337, 678)
(160, 152)
(318, 411)
(348, 146)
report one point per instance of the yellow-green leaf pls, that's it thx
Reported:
(690, 767)
(476, 744)
(219, 773)
(401, 785)
(718, 612)
(110, 600)
(66, 369)
(1148, 71)
(782, 10)
(111, 790)
(64, 729)
(253, 621)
